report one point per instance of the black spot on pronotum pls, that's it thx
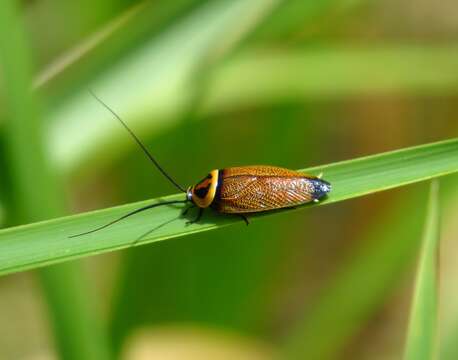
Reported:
(202, 188)
(202, 191)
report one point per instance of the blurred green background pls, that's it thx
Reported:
(211, 84)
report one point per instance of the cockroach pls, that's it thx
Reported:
(237, 190)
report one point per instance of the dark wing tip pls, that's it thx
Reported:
(320, 188)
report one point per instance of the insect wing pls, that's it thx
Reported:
(253, 193)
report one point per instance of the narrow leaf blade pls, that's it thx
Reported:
(48, 242)
(422, 332)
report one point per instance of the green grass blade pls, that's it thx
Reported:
(78, 52)
(295, 15)
(422, 333)
(37, 195)
(47, 242)
(2, 215)
(263, 76)
(448, 314)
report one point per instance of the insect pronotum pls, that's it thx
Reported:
(237, 190)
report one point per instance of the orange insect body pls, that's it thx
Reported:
(257, 188)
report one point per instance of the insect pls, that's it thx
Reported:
(237, 190)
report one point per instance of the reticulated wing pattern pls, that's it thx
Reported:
(261, 170)
(235, 186)
(240, 194)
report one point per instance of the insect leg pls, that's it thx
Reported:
(185, 211)
(244, 219)
(199, 215)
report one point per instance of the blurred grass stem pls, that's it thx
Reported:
(38, 194)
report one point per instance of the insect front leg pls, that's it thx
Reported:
(185, 211)
(199, 215)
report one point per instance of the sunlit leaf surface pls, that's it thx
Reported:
(48, 242)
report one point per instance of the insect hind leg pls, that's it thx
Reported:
(244, 218)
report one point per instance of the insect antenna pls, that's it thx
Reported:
(142, 146)
(147, 207)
